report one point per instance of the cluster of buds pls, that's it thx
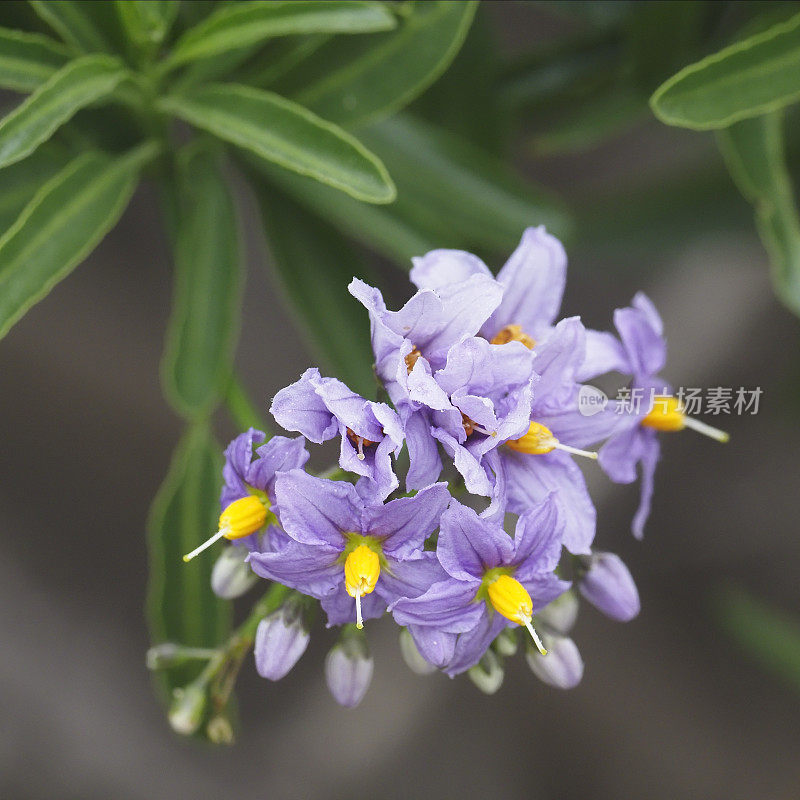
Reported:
(488, 531)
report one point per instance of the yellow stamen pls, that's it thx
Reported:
(511, 599)
(241, 518)
(667, 415)
(362, 568)
(514, 333)
(540, 440)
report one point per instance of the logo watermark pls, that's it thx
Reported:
(715, 400)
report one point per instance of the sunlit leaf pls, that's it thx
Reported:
(61, 225)
(75, 86)
(147, 21)
(285, 133)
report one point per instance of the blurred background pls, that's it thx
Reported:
(696, 698)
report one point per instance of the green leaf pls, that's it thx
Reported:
(27, 60)
(369, 79)
(244, 24)
(181, 607)
(754, 152)
(147, 21)
(71, 22)
(75, 86)
(285, 133)
(749, 78)
(21, 181)
(475, 192)
(61, 225)
(204, 326)
(315, 265)
(770, 636)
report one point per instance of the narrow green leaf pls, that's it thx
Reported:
(281, 56)
(475, 192)
(27, 60)
(181, 607)
(768, 635)
(315, 265)
(749, 78)
(75, 86)
(754, 152)
(204, 326)
(147, 22)
(369, 79)
(285, 133)
(243, 24)
(61, 225)
(71, 22)
(21, 181)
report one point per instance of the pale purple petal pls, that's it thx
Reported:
(409, 578)
(543, 587)
(348, 671)
(571, 427)
(314, 571)
(537, 538)
(529, 478)
(604, 353)
(471, 645)
(650, 456)
(557, 361)
(434, 646)
(620, 454)
(533, 280)
(317, 511)
(641, 331)
(278, 645)
(299, 407)
(562, 667)
(447, 606)
(341, 607)
(469, 545)
(608, 585)
(404, 524)
(423, 451)
(442, 267)
(475, 478)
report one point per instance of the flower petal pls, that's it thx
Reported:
(472, 644)
(435, 646)
(341, 607)
(442, 267)
(649, 459)
(537, 538)
(314, 571)
(447, 606)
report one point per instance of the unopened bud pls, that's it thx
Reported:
(412, 656)
(220, 730)
(560, 615)
(488, 673)
(187, 709)
(281, 638)
(562, 667)
(609, 587)
(348, 668)
(163, 656)
(231, 576)
(506, 643)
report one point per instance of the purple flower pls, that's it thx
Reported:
(353, 554)
(281, 638)
(540, 462)
(321, 408)
(491, 581)
(608, 585)
(562, 667)
(533, 281)
(348, 668)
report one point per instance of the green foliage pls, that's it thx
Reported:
(28, 59)
(754, 152)
(749, 78)
(287, 134)
(205, 316)
(180, 605)
(72, 21)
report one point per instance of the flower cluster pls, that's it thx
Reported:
(484, 382)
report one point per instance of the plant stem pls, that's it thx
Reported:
(241, 408)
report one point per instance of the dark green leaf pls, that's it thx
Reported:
(75, 86)
(243, 24)
(475, 192)
(71, 22)
(279, 57)
(749, 78)
(147, 21)
(181, 607)
(362, 81)
(61, 225)
(204, 326)
(754, 152)
(285, 133)
(769, 636)
(27, 60)
(315, 265)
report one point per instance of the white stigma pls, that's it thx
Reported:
(216, 537)
(360, 441)
(706, 430)
(575, 451)
(359, 618)
(526, 621)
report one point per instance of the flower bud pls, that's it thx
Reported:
(562, 667)
(187, 709)
(488, 673)
(220, 730)
(231, 576)
(560, 615)
(411, 655)
(348, 668)
(609, 587)
(163, 656)
(281, 638)
(506, 643)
